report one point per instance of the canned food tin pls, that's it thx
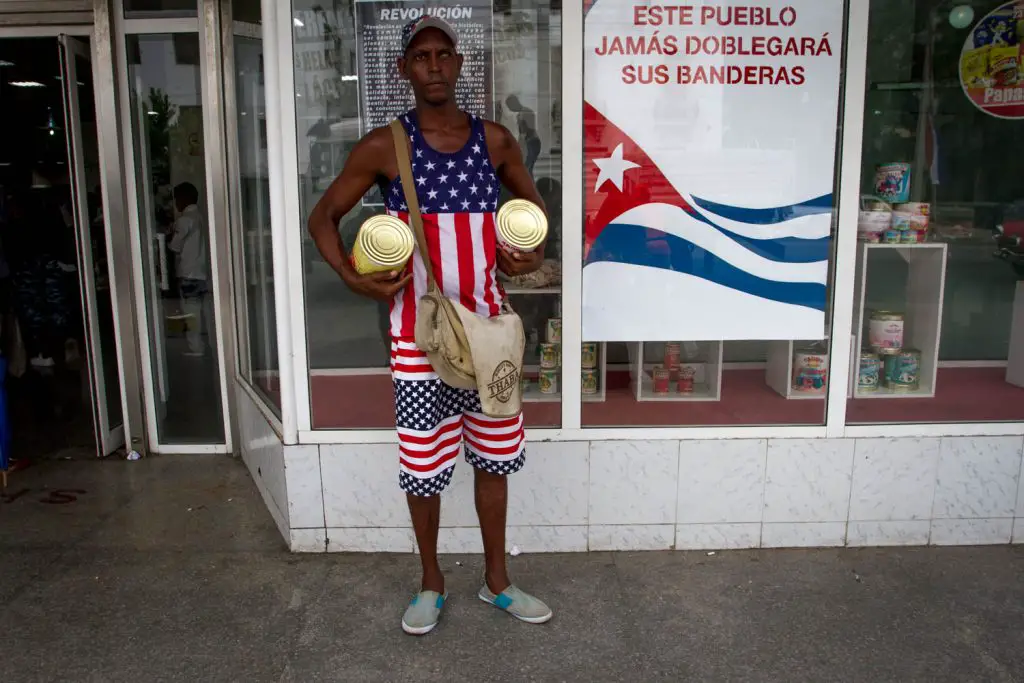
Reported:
(810, 372)
(672, 353)
(892, 236)
(549, 356)
(901, 221)
(588, 356)
(903, 371)
(870, 372)
(915, 208)
(588, 381)
(548, 381)
(686, 377)
(912, 236)
(522, 226)
(872, 223)
(885, 332)
(660, 375)
(553, 331)
(384, 243)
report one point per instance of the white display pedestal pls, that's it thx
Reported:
(779, 371)
(922, 311)
(707, 386)
(1015, 364)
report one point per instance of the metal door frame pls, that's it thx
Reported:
(112, 191)
(108, 436)
(207, 26)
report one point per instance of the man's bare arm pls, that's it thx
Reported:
(507, 159)
(361, 169)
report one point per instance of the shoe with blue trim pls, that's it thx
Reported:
(423, 612)
(519, 604)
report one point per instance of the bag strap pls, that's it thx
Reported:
(405, 173)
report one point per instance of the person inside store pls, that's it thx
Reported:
(460, 162)
(188, 243)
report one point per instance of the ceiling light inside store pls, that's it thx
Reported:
(27, 84)
(350, 78)
(298, 22)
(961, 16)
(152, 113)
(4, 62)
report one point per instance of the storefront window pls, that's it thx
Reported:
(940, 261)
(347, 83)
(709, 186)
(257, 312)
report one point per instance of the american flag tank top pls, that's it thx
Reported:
(458, 197)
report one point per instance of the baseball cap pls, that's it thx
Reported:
(410, 30)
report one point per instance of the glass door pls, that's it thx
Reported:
(90, 236)
(164, 80)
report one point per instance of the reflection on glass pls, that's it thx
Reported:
(107, 351)
(942, 166)
(140, 9)
(167, 128)
(259, 314)
(346, 82)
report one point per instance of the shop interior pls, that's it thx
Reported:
(48, 393)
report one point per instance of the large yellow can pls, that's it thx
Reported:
(522, 226)
(384, 243)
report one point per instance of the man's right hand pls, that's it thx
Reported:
(378, 286)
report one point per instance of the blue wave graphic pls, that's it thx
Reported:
(783, 249)
(632, 245)
(780, 214)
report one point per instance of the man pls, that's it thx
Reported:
(188, 242)
(458, 162)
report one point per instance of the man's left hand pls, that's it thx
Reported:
(519, 263)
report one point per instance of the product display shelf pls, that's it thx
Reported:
(779, 371)
(922, 309)
(532, 394)
(706, 388)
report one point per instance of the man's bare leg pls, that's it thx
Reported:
(426, 520)
(492, 510)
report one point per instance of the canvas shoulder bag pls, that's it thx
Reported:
(467, 351)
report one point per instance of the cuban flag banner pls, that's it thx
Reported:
(710, 154)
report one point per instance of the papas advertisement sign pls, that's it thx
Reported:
(992, 63)
(710, 137)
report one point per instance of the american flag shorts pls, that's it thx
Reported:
(435, 421)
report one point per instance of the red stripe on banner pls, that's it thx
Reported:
(412, 369)
(464, 250)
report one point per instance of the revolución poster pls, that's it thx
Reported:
(710, 139)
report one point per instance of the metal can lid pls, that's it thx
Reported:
(522, 224)
(386, 240)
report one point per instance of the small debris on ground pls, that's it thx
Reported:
(134, 455)
(711, 554)
(515, 552)
(458, 564)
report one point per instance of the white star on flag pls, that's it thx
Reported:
(473, 189)
(476, 149)
(483, 205)
(432, 194)
(453, 192)
(613, 168)
(462, 177)
(423, 181)
(469, 161)
(430, 165)
(444, 207)
(465, 205)
(450, 164)
(419, 153)
(443, 178)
